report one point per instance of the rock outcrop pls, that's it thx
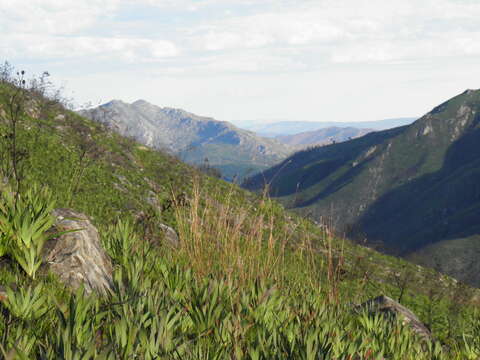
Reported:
(77, 256)
(170, 235)
(385, 305)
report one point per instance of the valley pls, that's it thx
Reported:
(239, 180)
(138, 234)
(401, 189)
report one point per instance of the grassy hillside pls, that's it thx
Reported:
(404, 188)
(463, 255)
(248, 281)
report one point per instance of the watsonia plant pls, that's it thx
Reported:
(24, 221)
(120, 240)
(158, 310)
(24, 308)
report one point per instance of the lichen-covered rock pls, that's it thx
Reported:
(170, 235)
(385, 305)
(77, 256)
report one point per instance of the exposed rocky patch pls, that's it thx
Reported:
(76, 256)
(170, 235)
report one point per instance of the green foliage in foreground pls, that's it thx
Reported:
(159, 310)
(24, 221)
(175, 316)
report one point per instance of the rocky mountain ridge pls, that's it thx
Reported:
(235, 152)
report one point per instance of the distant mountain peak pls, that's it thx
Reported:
(114, 102)
(193, 138)
(324, 136)
(140, 102)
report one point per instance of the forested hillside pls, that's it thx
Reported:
(403, 189)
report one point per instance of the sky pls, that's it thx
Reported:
(252, 60)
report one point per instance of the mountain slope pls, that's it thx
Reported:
(405, 188)
(96, 171)
(323, 136)
(241, 261)
(193, 138)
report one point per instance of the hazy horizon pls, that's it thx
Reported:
(272, 121)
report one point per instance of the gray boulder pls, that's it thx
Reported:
(77, 256)
(385, 305)
(170, 235)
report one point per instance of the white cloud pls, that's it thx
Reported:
(352, 31)
(110, 49)
(58, 30)
(264, 30)
(197, 4)
(52, 16)
(282, 49)
(288, 31)
(252, 61)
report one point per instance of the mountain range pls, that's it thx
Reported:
(323, 136)
(194, 139)
(413, 190)
(275, 128)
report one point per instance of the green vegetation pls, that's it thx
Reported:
(161, 308)
(24, 222)
(248, 280)
(406, 188)
(234, 163)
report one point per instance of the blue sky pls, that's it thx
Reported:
(318, 60)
